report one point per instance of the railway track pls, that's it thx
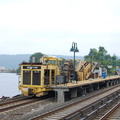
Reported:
(113, 113)
(80, 109)
(12, 99)
(2, 103)
(15, 109)
(16, 103)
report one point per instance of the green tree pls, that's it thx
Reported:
(118, 62)
(114, 59)
(102, 50)
(103, 58)
(37, 57)
(92, 55)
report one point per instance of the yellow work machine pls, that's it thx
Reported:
(36, 77)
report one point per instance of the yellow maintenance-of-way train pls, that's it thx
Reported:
(37, 77)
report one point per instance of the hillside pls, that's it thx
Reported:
(13, 61)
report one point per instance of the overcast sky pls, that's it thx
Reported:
(50, 26)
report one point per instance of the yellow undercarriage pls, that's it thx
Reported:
(37, 91)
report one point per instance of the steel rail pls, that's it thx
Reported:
(110, 112)
(18, 105)
(12, 101)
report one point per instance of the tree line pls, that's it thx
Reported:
(101, 56)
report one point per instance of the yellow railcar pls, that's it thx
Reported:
(36, 77)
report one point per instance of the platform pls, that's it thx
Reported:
(82, 87)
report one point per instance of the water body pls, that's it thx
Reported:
(9, 84)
